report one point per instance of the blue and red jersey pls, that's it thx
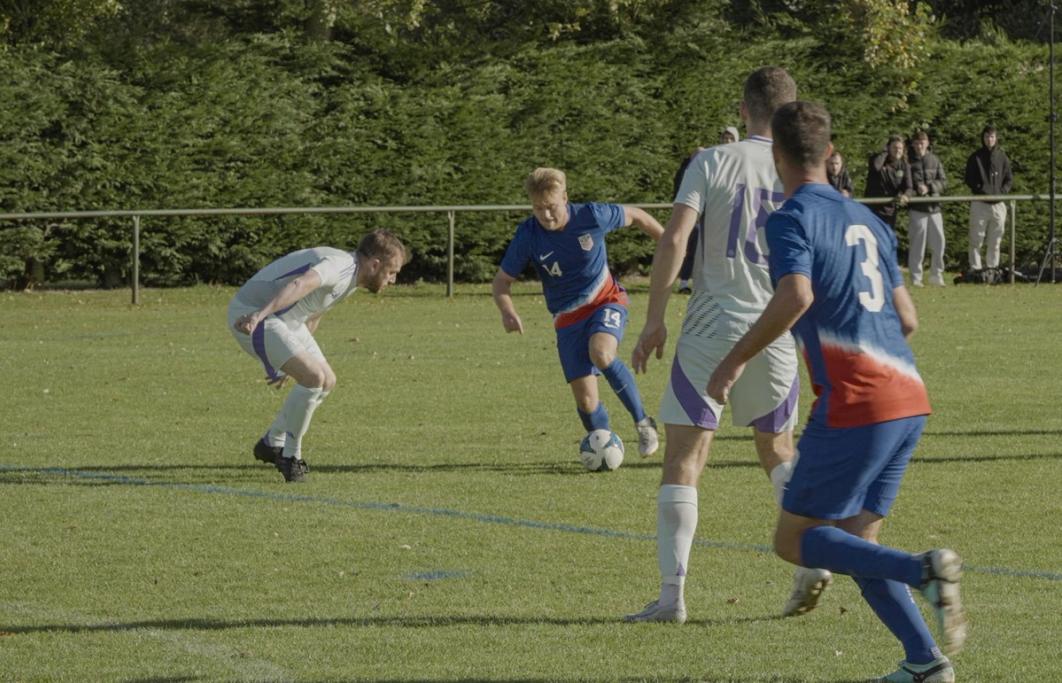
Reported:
(861, 367)
(572, 263)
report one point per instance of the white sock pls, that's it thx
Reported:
(298, 408)
(276, 435)
(676, 522)
(779, 478)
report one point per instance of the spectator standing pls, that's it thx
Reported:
(889, 175)
(837, 174)
(926, 221)
(726, 136)
(988, 173)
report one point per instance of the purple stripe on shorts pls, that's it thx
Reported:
(298, 271)
(696, 407)
(258, 342)
(776, 419)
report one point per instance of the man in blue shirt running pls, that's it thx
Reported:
(839, 288)
(566, 243)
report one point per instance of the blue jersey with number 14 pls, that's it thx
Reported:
(572, 262)
(861, 367)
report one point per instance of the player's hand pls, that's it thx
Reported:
(722, 380)
(512, 323)
(247, 323)
(652, 339)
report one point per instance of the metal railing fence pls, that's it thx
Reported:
(451, 212)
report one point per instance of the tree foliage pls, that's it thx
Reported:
(203, 103)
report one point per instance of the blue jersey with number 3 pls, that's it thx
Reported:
(572, 263)
(861, 367)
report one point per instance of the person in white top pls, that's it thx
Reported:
(727, 193)
(273, 317)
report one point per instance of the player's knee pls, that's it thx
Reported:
(602, 357)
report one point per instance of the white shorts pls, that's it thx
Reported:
(764, 397)
(274, 342)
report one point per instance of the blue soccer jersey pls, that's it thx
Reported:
(862, 369)
(572, 263)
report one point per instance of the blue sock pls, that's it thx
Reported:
(595, 420)
(622, 382)
(828, 547)
(892, 602)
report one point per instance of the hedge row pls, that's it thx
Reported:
(266, 122)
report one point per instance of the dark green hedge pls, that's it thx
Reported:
(271, 122)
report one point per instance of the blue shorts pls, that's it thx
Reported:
(573, 341)
(840, 472)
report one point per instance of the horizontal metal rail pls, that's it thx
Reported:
(449, 210)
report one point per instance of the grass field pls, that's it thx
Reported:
(447, 531)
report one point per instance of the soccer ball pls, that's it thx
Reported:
(601, 451)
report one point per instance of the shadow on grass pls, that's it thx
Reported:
(442, 621)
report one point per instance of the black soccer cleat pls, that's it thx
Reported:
(293, 469)
(267, 453)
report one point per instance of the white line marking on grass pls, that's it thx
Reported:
(246, 668)
(455, 514)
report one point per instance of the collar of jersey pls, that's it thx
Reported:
(760, 138)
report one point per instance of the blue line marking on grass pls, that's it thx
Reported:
(455, 514)
(435, 575)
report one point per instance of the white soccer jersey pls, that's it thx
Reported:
(733, 188)
(337, 269)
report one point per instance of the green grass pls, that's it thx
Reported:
(447, 531)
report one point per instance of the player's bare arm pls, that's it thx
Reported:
(791, 299)
(667, 261)
(502, 289)
(289, 295)
(312, 322)
(905, 309)
(642, 220)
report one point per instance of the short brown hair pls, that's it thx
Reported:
(383, 244)
(545, 180)
(801, 132)
(766, 89)
(920, 135)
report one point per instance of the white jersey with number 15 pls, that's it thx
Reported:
(733, 188)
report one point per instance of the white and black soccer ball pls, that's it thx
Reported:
(601, 451)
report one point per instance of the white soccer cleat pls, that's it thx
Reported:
(808, 585)
(943, 569)
(675, 614)
(648, 439)
(937, 671)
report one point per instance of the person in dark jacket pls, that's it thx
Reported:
(988, 173)
(889, 175)
(926, 221)
(837, 174)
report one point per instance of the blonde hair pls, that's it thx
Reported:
(545, 180)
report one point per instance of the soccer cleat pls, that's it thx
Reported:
(266, 453)
(293, 469)
(942, 571)
(937, 671)
(648, 439)
(808, 585)
(675, 614)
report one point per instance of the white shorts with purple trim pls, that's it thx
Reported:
(274, 342)
(764, 397)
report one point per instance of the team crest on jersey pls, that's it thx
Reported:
(586, 241)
